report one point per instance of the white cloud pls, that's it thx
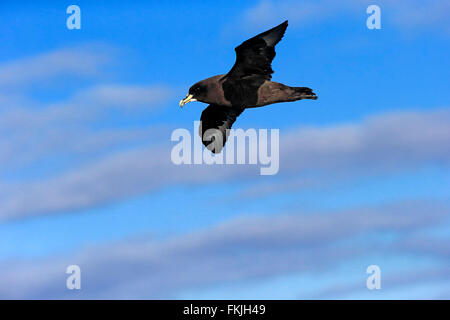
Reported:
(235, 251)
(396, 140)
(85, 61)
(125, 96)
(420, 15)
(111, 179)
(404, 279)
(122, 169)
(29, 133)
(31, 130)
(388, 142)
(274, 12)
(404, 14)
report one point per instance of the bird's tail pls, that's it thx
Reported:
(303, 93)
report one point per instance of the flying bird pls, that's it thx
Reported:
(247, 85)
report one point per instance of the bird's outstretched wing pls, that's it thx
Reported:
(216, 120)
(254, 56)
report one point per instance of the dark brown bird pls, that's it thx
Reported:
(247, 85)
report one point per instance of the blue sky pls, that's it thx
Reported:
(86, 176)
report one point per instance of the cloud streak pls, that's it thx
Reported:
(83, 62)
(391, 282)
(411, 15)
(238, 250)
(388, 142)
(31, 130)
(395, 140)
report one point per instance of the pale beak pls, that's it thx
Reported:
(188, 98)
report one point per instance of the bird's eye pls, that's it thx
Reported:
(196, 90)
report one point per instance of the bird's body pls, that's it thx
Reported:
(250, 93)
(247, 85)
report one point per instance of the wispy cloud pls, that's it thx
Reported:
(238, 250)
(124, 96)
(31, 130)
(85, 105)
(114, 178)
(271, 188)
(86, 61)
(271, 12)
(392, 281)
(405, 15)
(391, 141)
(416, 15)
(29, 133)
(388, 142)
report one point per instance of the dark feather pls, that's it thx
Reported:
(216, 120)
(254, 56)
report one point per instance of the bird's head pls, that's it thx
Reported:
(198, 92)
